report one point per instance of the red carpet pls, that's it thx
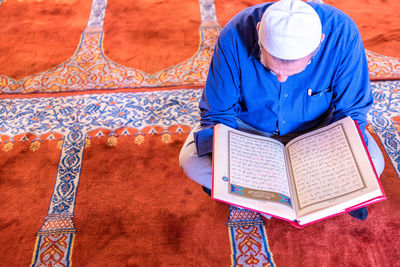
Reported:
(134, 206)
(162, 33)
(38, 35)
(377, 21)
(26, 182)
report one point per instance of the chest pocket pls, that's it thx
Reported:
(316, 103)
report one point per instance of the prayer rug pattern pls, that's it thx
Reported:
(90, 69)
(112, 115)
(382, 67)
(70, 118)
(74, 117)
(384, 118)
(248, 240)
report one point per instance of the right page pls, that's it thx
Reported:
(331, 171)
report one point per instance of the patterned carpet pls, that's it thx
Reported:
(89, 93)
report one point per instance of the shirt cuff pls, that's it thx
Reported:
(204, 141)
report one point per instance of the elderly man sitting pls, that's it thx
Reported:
(280, 69)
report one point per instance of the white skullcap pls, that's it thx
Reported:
(290, 29)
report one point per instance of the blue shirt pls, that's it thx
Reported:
(239, 86)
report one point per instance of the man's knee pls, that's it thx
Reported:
(376, 154)
(199, 169)
(379, 163)
(186, 158)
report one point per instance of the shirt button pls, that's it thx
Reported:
(285, 95)
(283, 122)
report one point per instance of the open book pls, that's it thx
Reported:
(316, 175)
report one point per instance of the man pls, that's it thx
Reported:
(278, 70)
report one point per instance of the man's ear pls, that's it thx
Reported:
(322, 37)
(258, 26)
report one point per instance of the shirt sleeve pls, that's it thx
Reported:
(351, 85)
(220, 99)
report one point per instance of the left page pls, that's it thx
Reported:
(250, 171)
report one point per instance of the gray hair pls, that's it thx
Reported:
(313, 53)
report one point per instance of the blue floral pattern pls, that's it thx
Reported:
(106, 111)
(387, 106)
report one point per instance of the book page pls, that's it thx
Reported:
(323, 167)
(257, 168)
